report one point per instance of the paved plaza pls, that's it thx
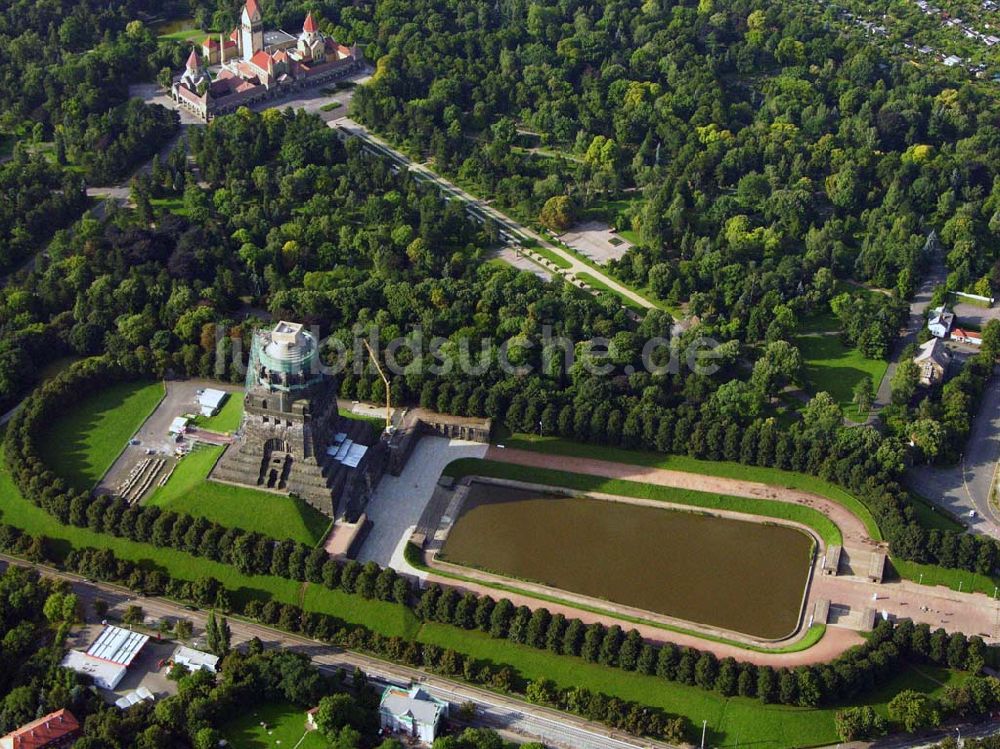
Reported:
(597, 241)
(399, 501)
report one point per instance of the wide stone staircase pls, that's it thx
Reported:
(333, 486)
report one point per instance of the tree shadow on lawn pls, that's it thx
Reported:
(839, 382)
(64, 445)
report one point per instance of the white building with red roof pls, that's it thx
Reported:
(55, 729)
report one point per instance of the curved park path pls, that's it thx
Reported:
(848, 595)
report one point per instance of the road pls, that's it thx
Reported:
(969, 485)
(936, 276)
(512, 717)
(510, 229)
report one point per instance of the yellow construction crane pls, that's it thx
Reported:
(388, 408)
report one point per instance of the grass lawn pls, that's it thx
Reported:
(731, 721)
(173, 205)
(331, 106)
(378, 424)
(228, 418)
(602, 287)
(816, 520)
(607, 211)
(930, 516)
(190, 491)
(286, 726)
(929, 574)
(723, 469)
(83, 444)
(831, 366)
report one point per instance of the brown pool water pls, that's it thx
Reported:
(741, 576)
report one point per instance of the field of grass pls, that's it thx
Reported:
(82, 445)
(173, 205)
(190, 491)
(929, 574)
(732, 722)
(594, 283)
(722, 469)
(378, 424)
(831, 366)
(285, 728)
(931, 517)
(329, 107)
(816, 520)
(228, 418)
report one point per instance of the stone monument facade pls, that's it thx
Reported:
(292, 439)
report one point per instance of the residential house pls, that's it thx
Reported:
(932, 361)
(939, 322)
(972, 337)
(413, 712)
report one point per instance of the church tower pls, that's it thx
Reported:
(251, 30)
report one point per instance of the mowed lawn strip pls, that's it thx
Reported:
(721, 468)
(814, 519)
(84, 442)
(189, 490)
(388, 618)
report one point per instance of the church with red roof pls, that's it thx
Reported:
(255, 64)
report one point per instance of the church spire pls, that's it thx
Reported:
(310, 24)
(193, 63)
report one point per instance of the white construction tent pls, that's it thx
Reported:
(132, 698)
(345, 451)
(210, 401)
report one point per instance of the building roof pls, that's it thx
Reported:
(210, 42)
(117, 645)
(415, 703)
(212, 397)
(178, 425)
(963, 333)
(102, 672)
(934, 350)
(252, 10)
(195, 659)
(261, 59)
(940, 316)
(193, 63)
(42, 732)
(310, 24)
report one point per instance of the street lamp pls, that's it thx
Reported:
(704, 723)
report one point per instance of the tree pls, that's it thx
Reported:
(778, 365)
(904, 381)
(133, 615)
(218, 635)
(183, 629)
(914, 711)
(334, 712)
(864, 396)
(558, 214)
(859, 723)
